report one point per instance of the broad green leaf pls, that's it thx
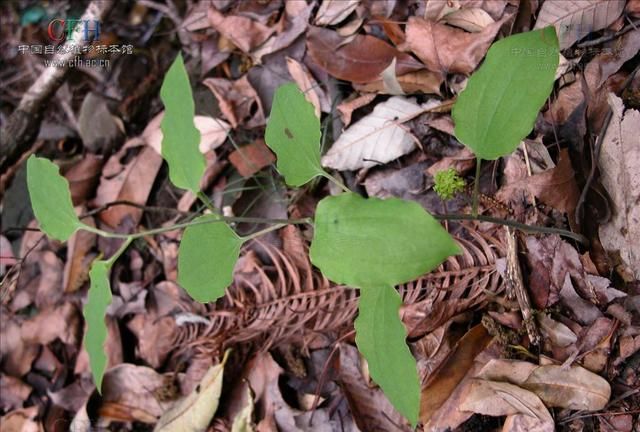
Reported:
(51, 199)
(94, 311)
(373, 242)
(207, 256)
(380, 337)
(180, 137)
(293, 133)
(499, 106)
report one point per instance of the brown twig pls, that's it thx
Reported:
(22, 126)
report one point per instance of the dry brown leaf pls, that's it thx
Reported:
(473, 20)
(441, 384)
(213, 132)
(574, 388)
(361, 60)
(575, 19)
(422, 81)
(251, 158)
(347, 107)
(296, 23)
(238, 101)
(375, 139)
(14, 392)
(448, 50)
(130, 393)
(309, 86)
(496, 399)
(21, 420)
(333, 12)
(620, 168)
(243, 32)
(76, 269)
(555, 332)
(83, 177)
(131, 182)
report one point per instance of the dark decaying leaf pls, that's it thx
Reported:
(361, 60)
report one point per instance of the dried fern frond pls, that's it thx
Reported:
(277, 302)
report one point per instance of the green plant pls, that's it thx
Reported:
(448, 183)
(370, 244)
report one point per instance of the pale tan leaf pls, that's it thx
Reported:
(194, 412)
(376, 139)
(472, 19)
(496, 399)
(620, 167)
(559, 334)
(575, 19)
(313, 93)
(573, 388)
(332, 12)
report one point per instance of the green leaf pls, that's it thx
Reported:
(94, 311)
(380, 337)
(51, 199)
(499, 106)
(207, 256)
(180, 137)
(372, 242)
(293, 133)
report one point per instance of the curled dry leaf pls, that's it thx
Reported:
(473, 20)
(376, 139)
(576, 19)
(309, 86)
(443, 381)
(422, 81)
(620, 166)
(333, 12)
(361, 60)
(448, 50)
(131, 182)
(243, 32)
(296, 21)
(238, 101)
(573, 388)
(213, 132)
(496, 399)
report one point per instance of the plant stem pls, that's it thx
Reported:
(264, 231)
(280, 223)
(524, 227)
(476, 188)
(336, 182)
(207, 202)
(120, 251)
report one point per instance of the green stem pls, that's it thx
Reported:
(476, 188)
(207, 202)
(262, 232)
(279, 222)
(336, 182)
(524, 227)
(120, 251)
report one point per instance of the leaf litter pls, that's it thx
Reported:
(382, 77)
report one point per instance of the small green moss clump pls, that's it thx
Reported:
(448, 183)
